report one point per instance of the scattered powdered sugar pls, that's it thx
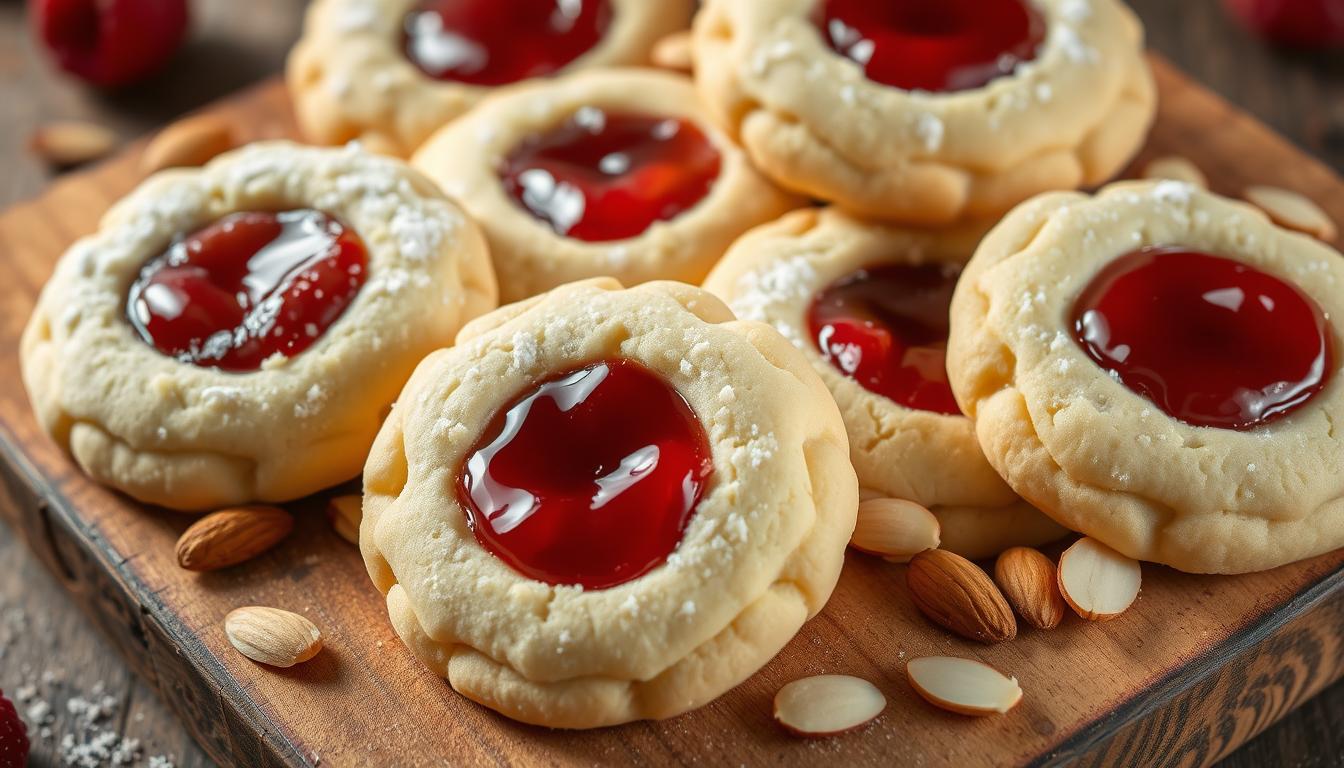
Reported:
(1173, 192)
(356, 16)
(780, 282)
(1073, 45)
(930, 130)
(526, 351)
(687, 608)
(312, 402)
(1075, 11)
(631, 606)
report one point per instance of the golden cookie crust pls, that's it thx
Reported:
(772, 274)
(530, 257)
(349, 79)
(760, 556)
(812, 121)
(193, 438)
(1100, 458)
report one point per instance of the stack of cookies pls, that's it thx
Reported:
(840, 262)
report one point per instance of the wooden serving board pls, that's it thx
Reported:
(1197, 667)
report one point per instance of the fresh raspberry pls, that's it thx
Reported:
(13, 736)
(110, 42)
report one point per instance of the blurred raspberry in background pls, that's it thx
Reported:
(1293, 23)
(110, 42)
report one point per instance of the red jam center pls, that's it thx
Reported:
(495, 42)
(589, 478)
(886, 328)
(943, 45)
(606, 176)
(247, 287)
(1211, 341)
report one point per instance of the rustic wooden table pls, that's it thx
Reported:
(47, 644)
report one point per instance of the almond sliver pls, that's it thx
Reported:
(1098, 582)
(827, 705)
(964, 686)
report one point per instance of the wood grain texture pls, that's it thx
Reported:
(1166, 673)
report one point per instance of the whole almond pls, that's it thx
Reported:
(673, 52)
(67, 143)
(1029, 581)
(272, 636)
(895, 529)
(190, 142)
(954, 593)
(1294, 211)
(345, 513)
(232, 536)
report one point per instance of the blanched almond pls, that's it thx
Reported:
(232, 536)
(895, 529)
(1294, 211)
(345, 513)
(1176, 168)
(827, 705)
(673, 52)
(963, 686)
(189, 142)
(1029, 581)
(66, 143)
(954, 593)
(272, 636)
(1098, 582)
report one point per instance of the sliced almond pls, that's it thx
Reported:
(1294, 211)
(954, 593)
(895, 529)
(1098, 582)
(827, 705)
(272, 636)
(673, 52)
(345, 513)
(964, 686)
(232, 536)
(1176, 168)
(190, 142)
(1029, 581)
(67, 143)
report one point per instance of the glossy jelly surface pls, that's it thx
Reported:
(1212, 341)
(495, 42)
(886, 328)
(589, 478)
(248, 286)
(602, 176)
(947, 45)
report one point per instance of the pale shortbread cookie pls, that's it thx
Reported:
(464, 158)
(350, 79)
(772, 275)
(811, 120)
(1100, 458)
(193, 438)
(760, 556)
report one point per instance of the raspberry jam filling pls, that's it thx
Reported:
(886, 328)
(1211, 341)
(603, 176)
(947, 45)
(589, 478)
(495, 42)
(248, 286)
